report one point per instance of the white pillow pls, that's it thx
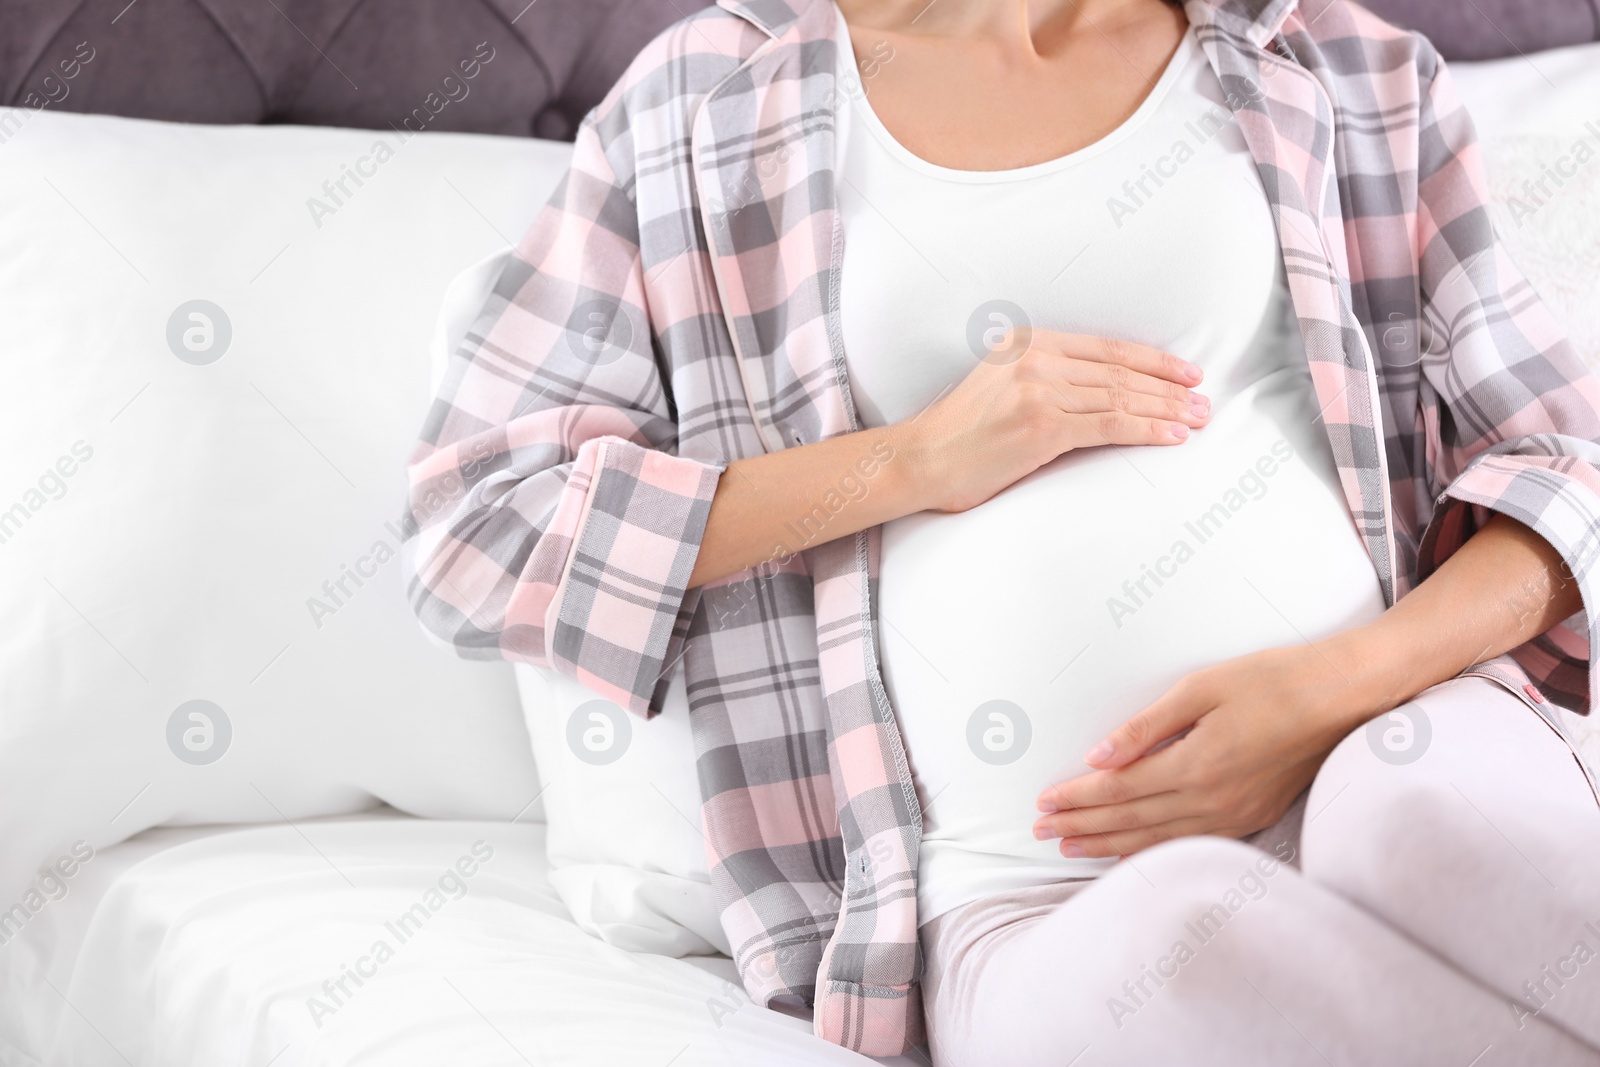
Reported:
(1537, 114)
(621, 796)
(169, 523)
(622, 803)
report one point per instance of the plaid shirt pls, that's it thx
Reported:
(675, 307)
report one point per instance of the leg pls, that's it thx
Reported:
(1484, 850)
(1189, 953)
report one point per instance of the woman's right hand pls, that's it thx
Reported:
(1034, 396)
(1039, 394)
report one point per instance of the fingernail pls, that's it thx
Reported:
(1199, 403)
(1043, 833)
(1099, 753)
(1193, 371)
(1072, 852)
(1047, 806)
(1178, 430)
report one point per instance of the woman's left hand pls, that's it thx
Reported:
(1259, 728)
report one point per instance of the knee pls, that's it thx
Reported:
(1194, 875)
(1171, 891)
(1389, 830)
(1215, 910)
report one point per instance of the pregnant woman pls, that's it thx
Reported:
(1122, 518)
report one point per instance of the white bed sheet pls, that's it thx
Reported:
(205, 945)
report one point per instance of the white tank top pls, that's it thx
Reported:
(1015, 635)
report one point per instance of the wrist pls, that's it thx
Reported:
(912, 466)
(1377, 668)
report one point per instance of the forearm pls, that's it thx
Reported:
(1503, 587)
(1004, 420)
(770, 506)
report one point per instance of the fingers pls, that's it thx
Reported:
(1173, 712)
(1119, 812)
(1089, 374)
(1118, 392)
(1114, 416)
(1116, 428)
(1160, 772)
(1127, 842)
(1115, 818)
(1115, 352)
(1192, 408)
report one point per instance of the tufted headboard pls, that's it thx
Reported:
(521, 67)
(1491, 29)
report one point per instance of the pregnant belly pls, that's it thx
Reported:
(1015, 635)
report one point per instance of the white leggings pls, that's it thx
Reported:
(1441, 912)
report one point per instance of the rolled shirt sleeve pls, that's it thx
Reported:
(551, 519)
(1516, 427)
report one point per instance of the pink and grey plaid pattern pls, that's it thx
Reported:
(675, 307)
